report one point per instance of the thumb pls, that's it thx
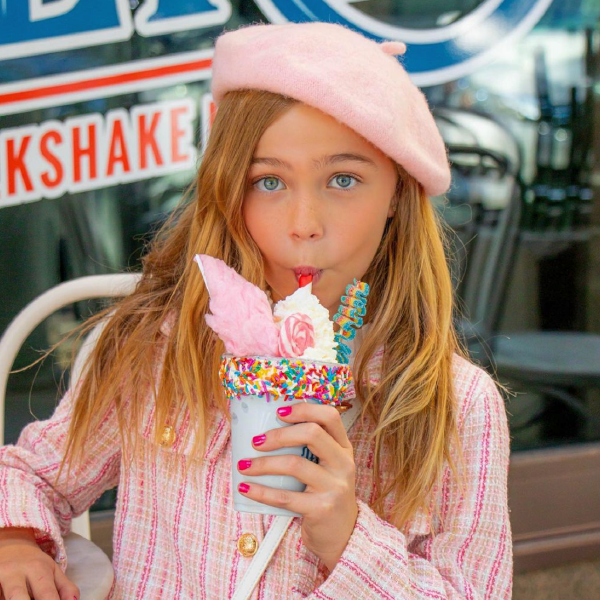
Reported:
(67, 590)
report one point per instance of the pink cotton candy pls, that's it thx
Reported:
(241, 314)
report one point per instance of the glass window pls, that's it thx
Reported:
(523, 205)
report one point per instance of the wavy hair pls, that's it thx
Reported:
(410, 313)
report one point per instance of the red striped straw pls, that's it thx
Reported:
(304, 280)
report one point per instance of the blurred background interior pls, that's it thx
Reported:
(523, 132)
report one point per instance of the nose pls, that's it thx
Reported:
(306, 219)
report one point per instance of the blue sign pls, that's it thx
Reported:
(29, 27)
(33, 27)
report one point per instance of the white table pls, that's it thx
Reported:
(88, 567)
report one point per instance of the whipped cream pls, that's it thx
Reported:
(303, 301)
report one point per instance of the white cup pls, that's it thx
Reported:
(252, 416)
(253, 406)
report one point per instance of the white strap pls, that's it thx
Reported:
(276, 532)
(262, 557)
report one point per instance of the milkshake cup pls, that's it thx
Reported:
(256, 387)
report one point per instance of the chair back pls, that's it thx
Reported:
(482, 209)
(76, 290)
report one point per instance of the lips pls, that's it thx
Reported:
(316, 273)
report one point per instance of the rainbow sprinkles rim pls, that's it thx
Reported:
(284, 377)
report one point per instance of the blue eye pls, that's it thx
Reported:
(344, 181)
(270, 183)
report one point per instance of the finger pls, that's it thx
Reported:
(298, 502)
(310, 434)
(15, 588)
(66, 588)
(42, 585)
(325, 415)
(287, 464)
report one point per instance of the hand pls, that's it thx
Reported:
(328, 505)
(26, 571)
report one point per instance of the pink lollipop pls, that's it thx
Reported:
(241, 314)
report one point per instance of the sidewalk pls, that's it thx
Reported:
(577, 581)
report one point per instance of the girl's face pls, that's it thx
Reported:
(318, 197)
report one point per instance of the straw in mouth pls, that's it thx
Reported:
(305, 280)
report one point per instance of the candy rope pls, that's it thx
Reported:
(357, 303)
(349, 317)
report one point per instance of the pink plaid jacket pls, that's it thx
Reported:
(176, 536)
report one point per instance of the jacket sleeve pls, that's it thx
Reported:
(29, 495)
(470, 556)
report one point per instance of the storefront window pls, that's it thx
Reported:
(520, 126)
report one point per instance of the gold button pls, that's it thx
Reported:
(342, 407)
(168, 436)
(247, 545)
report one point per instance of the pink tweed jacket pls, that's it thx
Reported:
(176, 536)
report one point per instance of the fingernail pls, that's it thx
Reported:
(243, 487)
(258, 440)
(244, 464)
(284, 411)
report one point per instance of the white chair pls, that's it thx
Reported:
(88, 565)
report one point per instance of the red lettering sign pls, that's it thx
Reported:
(16, 164)
(51, 158)
(79, 152)
(117, 152)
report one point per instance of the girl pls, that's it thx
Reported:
(322, 156)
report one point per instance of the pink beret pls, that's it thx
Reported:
(354, 79)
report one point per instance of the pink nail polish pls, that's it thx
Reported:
(244, 464)
(284, 411)
(258, 440)
(243, 487)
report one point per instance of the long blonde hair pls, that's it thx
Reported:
(410, 313)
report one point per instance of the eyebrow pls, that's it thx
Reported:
(318, 163)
